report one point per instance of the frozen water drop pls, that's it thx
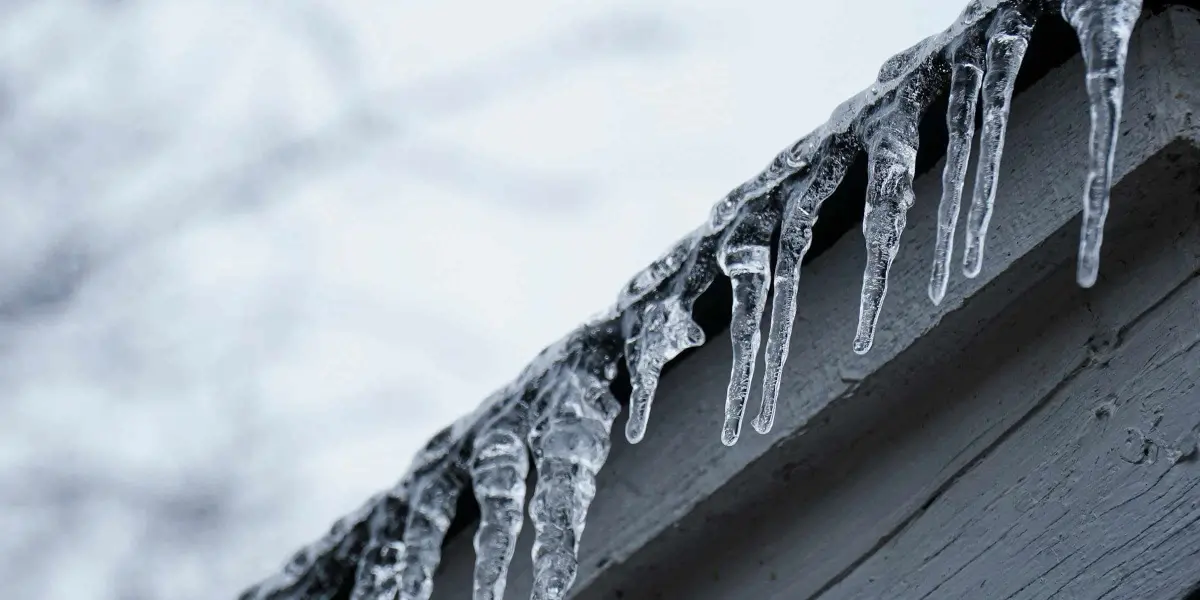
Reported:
(803, 199)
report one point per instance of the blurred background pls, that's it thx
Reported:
(253, 253)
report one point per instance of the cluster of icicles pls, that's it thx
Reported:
(560, 412)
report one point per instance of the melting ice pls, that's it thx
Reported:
(558, 414)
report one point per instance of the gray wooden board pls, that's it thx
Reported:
(915, 427)
(1096, 493)
(664, 503)
(1084, 499)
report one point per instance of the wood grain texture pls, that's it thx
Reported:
(1093, 493)
(865, 447)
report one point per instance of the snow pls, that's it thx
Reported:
(803, 204)
(965, 82)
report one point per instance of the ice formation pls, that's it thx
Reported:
(1008, 36)
(559, 412)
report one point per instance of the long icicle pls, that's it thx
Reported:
(1008, 38)
(499, 466)
(570, 445)
(1104, 28)
(745, 256)
(891, 164)
(803, 201)
(433, 505)
(965, 81)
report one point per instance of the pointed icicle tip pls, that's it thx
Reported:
(891, 165)
(745, 256)
(803, 200)
(965, 81)
(1008, 38)
(1104, 28)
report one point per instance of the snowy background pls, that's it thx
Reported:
(252, 253)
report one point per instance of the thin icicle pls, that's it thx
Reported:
(398, 549)
(965, 81)
(433, 505)
(1104, 28)
(498, 469)
(391, 548)
(803, 201)
(745, 256)
(664, 329)
(570, 444)
(1008, 37)
(320, 570)
(891, 163)
(378, 571)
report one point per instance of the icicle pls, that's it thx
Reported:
(965, 81)
(570, 444)
(399, 562)
(803, 201)
(379, 568)
(663, 330)
(745, 256)
(392, 547)
(433, 505)
(409, 523)
(891, 163)
(498, 469)
(1104, 28)
(1008, 37)
(318, 570)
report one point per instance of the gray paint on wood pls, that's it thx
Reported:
(913, 429)
(1094, 492)
(886, 442)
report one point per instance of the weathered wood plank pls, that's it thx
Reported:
(673, 505)
(912, 428)
(1097, 495)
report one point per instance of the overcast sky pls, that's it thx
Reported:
(252, 254)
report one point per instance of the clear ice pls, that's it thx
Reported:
(745, 257)
(1008, 37)
(570, 444)
(1104, 28)
(559, 411)
(965, 80)
(803, 199)
(499, 466)
(661, 331)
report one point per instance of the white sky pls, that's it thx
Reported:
(253, 253)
